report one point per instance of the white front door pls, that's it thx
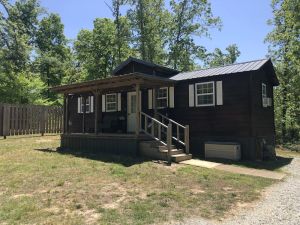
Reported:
(131, 111)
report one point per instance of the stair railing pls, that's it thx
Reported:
(157, 131)
(179, 127)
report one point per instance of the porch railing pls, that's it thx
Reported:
(157, 130)
(163, 133)
(181, 135)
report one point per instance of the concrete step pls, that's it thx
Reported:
(154, 144)
(174, 151)
(163, 147)
(181, 157)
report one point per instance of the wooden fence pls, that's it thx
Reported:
(30, 119)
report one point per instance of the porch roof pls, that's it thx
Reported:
(126, 81)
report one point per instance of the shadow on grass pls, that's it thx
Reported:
(124, 160)
(27, 136)
(267, 164)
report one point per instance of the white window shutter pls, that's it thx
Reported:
(92, 104)
(150, 99)
(119, 102)
(79, 99)
(171, 97)
(103, 103)
(219, 93)
(191, 95)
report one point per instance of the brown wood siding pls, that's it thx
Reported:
(229, 119)
(108, 122)
(263, 117)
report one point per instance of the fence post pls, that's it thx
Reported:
(6, 120)
(43, 120)
(169, 142)
(187, 139)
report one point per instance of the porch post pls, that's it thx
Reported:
(155, 90)
(96, 93)
(137, 109)
(66, 110)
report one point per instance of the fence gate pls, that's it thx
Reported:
(30, 119)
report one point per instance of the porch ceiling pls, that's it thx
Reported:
(121, 82)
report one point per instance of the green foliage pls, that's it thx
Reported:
(219, 58)
(285, 51)
(24, 87)
(53, 53)
(35, 55)
(150, 22)
(189, 18)
(97, 51)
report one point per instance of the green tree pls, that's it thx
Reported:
(53, 53)
(190, 18)
(149, 23)
(17, 28)
(219, 58)
(123, 32)
(284, 49)
(96, 50)
(18, 24)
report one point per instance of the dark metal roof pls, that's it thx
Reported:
(228, 69)
(150, 64)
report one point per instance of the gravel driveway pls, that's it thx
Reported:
(280, 206)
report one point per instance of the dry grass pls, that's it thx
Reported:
(287, 153)
(46, 187)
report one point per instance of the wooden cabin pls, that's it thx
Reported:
(148, 109)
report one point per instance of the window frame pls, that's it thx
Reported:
(88, 105)
(162, 98)
(213, 94)
(115, 102)
(263, 86)
(82, 107)
(264, 94)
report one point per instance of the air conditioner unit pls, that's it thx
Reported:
(265, 102)
(269, 100)
(223, 150)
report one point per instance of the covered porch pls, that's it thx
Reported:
(111, 105)
(116, 114)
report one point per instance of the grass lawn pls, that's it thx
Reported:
(41, 186)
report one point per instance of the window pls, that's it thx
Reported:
(264, 95)
(88, 104)
(205, 94)
(162, 98)
(264, 90)
(111, 102)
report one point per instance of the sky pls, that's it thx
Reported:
(244, 22)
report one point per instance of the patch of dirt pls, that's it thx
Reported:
(21, 196)
(91, 217)
(43, 141)
(54, 210)
(196, 191)
(113, 195)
